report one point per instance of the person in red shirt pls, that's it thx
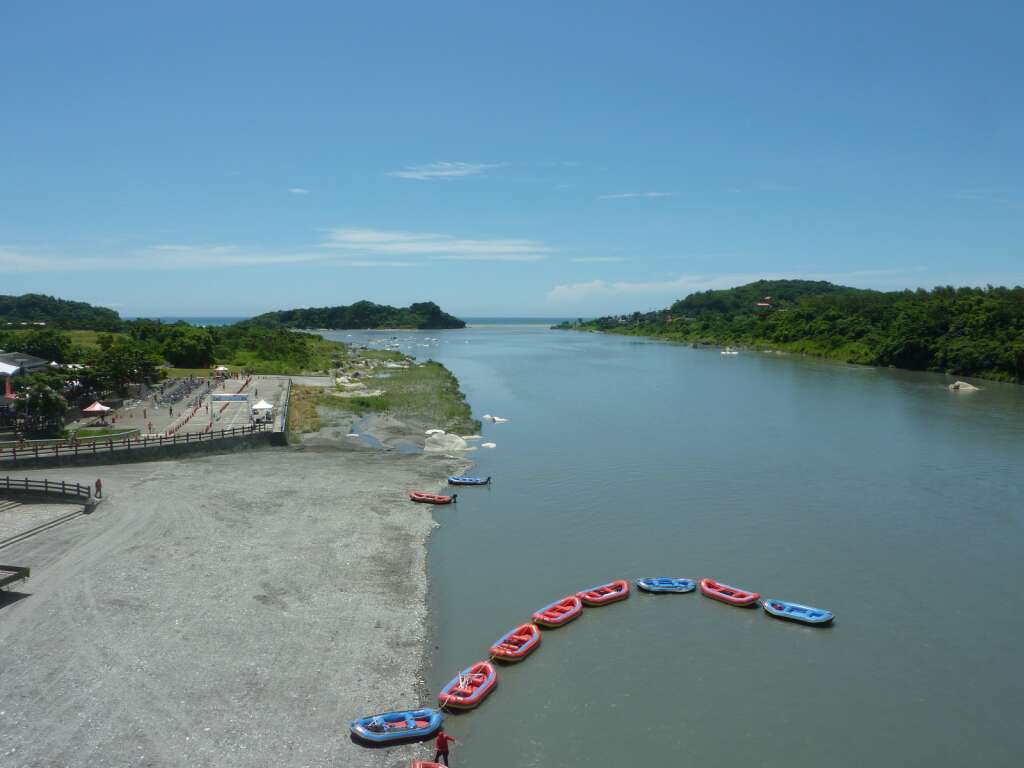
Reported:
(441, 742)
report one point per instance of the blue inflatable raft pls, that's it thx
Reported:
(666, 584)
(397, 726)
(795, 612)
(460, 480)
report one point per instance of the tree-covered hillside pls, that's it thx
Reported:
(59, 313)
(362, 314)
(964, 331)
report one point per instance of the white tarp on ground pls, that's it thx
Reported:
(444, 443)
(262, 405)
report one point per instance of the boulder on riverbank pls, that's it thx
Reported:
(442, 442)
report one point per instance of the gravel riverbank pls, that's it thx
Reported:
(225, 611)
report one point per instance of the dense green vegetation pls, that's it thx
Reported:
(59, 313)
(362, 314)
(963, 331)
(114, 354)
(144, 345)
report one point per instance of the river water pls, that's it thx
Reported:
(877, 494)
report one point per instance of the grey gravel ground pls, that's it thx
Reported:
(16, 518)
(226, 611)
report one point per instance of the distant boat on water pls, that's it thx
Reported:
(730, 351)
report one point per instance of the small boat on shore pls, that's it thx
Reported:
(471, 686)
(517, 644)
(559, 612)
(432, 498)
(603, 594)
(805, 614)
(463, 480)
(726, 594)
(397, 726)
(665, 584)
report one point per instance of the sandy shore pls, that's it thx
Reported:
(230, 610)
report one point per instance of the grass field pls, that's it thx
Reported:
(83, 339)
(427, 393)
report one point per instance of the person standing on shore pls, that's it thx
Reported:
(99, 488)
(441, 745)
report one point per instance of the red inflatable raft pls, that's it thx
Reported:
(725, 593)
(469, 687)
(517, 644)
(425, 764)
(605, 593)
(559, 612)
(432, 498)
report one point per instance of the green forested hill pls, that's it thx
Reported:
(965, 331)
(362, 314)
(59, 313)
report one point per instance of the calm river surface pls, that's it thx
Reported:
(876, 494)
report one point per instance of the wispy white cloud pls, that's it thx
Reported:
(626, 195)
(298, 191)
(988, 196)
(345, 247)
(597, 259)
(491, 257)
(168, 257)
(436, 246)
(442, 170)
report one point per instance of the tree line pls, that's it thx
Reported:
(363, 314)
(59, 313)
(962, 331)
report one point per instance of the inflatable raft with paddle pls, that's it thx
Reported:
(517, 644)
(559, 613)
(603, 594)
(397, 726)
(726, 594)
(432, 498)
(471, 686)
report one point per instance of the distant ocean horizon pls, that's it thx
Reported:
(468, 320)
(196, 320)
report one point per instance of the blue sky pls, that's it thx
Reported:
(528, 159)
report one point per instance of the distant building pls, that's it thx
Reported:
(18, 363)
(765, 302)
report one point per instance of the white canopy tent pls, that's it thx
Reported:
(262, 412)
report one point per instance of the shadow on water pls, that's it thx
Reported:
(389, 744)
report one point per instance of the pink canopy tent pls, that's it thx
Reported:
(97, 408)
